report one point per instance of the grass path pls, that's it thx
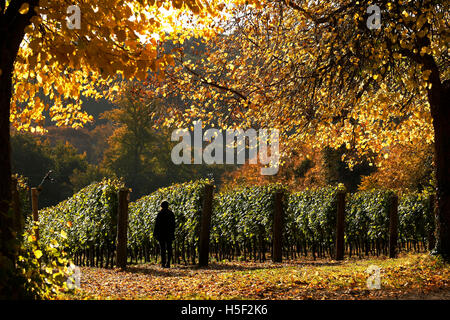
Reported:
(412, 276)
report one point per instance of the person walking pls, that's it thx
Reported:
(164, 232)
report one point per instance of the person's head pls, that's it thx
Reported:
(165, 204)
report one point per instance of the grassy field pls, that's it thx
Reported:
(411, 276)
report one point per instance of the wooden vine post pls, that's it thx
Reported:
(393, 226)
(277, 240)
(122, 227)
(35, 209)
(205, 223)
(340, 225)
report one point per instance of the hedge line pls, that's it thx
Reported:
(242, 221)
(89, 221)
(241, 225)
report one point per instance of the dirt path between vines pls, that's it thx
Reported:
(411, 276)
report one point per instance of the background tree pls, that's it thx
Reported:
(407, 167)
(307, 168)
(136, 150)
(337, 170)
(32, 158)
(139, 150)
(91, 140)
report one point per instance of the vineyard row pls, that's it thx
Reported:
(249, 222)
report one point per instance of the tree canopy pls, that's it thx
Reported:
(318, 73)
(115, 38)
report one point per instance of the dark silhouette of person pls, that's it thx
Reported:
(164, 232)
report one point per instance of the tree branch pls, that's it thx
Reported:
(318, 20)
(213, 84)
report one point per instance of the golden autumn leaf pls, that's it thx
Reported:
(24, 8)
(38, 253)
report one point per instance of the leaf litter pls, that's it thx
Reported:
(411, 276)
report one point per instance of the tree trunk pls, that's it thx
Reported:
(12, 25)
(441, 122)
(8, 243)
(440, 113)
(5, 159)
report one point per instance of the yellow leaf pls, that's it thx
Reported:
(63, 234)
(24, 8)
(38, 253)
